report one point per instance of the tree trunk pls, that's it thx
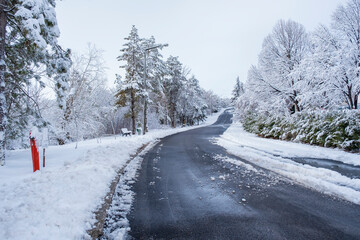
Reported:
(3, 22)
(173, 121)
(356, 101)
(166, 108)
(113, 127)
(172, 106)
(67, 114)
(349, 96)
(132, 109)
(297, 108)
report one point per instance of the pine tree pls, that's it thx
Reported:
(28, 32)
(129, 90)
(172, 85)
(153, 70)
(238, 90)
(144, 69)
(3, 120)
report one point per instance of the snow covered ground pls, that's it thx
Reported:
(276, 155)
(58, 201)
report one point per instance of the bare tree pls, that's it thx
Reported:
(86, 77)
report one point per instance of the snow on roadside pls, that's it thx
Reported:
(287, 149)
(235, 162)
(58, 202)
(261, 152)
(117, 225)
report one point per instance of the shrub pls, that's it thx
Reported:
(340, 129)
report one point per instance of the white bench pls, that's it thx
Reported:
(125, 132)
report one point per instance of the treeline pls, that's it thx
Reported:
(164, 88)
(44, 86)
(311, 75)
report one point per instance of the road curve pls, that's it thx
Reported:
(187, 189)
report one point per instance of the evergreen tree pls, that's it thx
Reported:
(28, 33)
(154, 68)
(160, 86)
(129, 90)
(237, 91)
(172, 85)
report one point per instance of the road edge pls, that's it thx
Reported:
(97, 229)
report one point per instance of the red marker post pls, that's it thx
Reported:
(34, 154)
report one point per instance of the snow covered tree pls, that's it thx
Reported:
(159, 104)
(144, 68)
(297, 72)
(346, 27)
(316, 72)
(3, 121)
(80, 113)
(272, 81)
(129, 90)
(191, 105)
(161, 86)
(213, 102)
(238, 90)
(331, 70)
(28, 32)
(154, 68)
(172, 85)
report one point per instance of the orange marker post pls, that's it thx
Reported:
(34, 154)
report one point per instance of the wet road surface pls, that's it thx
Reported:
(345, 169)
(187, 190)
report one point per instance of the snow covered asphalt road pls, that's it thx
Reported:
(188, 187)
(60, 201)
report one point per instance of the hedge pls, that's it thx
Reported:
(336, 129)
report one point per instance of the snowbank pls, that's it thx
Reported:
(58, 202)
(274, 155)
(238, 135)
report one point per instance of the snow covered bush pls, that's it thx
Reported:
(339, 129)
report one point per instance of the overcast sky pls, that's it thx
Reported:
(217, 39)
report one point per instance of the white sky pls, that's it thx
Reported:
(217, 39)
